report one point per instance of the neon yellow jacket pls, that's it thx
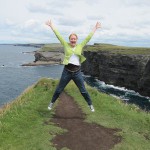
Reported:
(68, 50)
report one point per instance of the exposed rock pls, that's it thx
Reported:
(130, 71)
(144, 83)
(48, 56)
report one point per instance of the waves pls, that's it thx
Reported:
(128, 96)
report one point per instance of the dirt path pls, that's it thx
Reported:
(80, 135)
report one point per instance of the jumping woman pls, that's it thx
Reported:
(72, 64)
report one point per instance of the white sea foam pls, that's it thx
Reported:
(127, 91)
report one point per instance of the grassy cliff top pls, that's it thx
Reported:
(118, 49)
(52, 47)
(115, 49)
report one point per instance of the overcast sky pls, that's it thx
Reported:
(124, 22)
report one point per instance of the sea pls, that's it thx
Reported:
(15, 78)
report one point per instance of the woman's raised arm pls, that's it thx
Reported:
(86, 40)
(58, 35)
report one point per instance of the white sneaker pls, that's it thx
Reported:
(92, 108)
(50, 106)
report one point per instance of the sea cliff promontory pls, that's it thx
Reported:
(48, 54)
(119, 65)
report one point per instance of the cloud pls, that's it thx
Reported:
(59, 4)
(74, 21)
(49, 7)
(136, 3)
(8, 22)
(31, 23)
(43, 8)
(122, 20)
(97, 17)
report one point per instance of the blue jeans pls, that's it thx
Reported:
(78, 80)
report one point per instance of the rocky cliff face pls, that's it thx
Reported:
(144, 83)
(49, 56)
(130, 71)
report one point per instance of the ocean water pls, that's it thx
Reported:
(15, 78)
(128, 96)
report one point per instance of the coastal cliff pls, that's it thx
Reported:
(126, 67)
(48, 54)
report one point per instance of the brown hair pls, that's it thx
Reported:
(73, 34)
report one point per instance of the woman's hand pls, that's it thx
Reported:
(97, 26)
(49, 23)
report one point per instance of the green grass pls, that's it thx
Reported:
(115, 49)
(118, 49)
(51, 47)
(26, 123)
